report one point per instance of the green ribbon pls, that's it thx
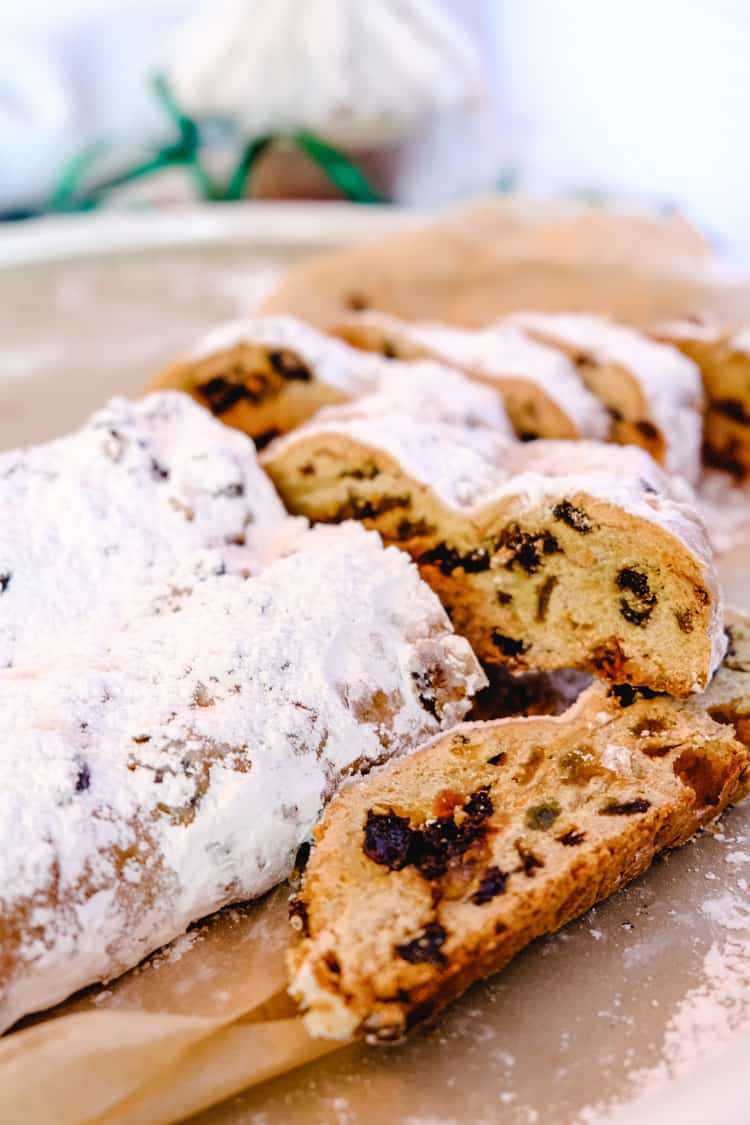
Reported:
(184, 151)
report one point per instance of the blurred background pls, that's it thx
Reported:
(160, 102)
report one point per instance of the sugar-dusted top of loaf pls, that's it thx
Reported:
(88, 519)
(670, 382)
(333, 362)
(503, 351)
(429, 390)
(209, 729)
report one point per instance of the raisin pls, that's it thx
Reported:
(358, 508)
(264, 439)
(492, 884)
(527, 547)
(479, 806)
(685, 619)
(543, 597)
(221, 395)
(367, 471)
(158, 472)
(727, 457)
(732, 408)
(83, 780)
(574, 517)
(449, 559)
(530, 863)
(414, 529)
(425, 947)
(357, 302)
(626, 694)
(634, 580)
(303, 855)
(497, 759)
(637, 617)
(5, 581)
(503, 598)
(647, 430)
(509, 646)
(627, 808)
(288, 366)
(571, 838)
(388, 840)
(307, 470)
(528, 435)
(389, 349)
(232, 491)
(541, 817)
(425, 693)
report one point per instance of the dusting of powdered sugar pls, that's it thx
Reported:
(724, 507)
(91, 517)
(335, 363)
(158, 770)
(503, 352)
(428, 390)
(670, 382)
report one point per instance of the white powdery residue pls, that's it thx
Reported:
(618, 759)
(737, 857)
(724, 507)
(727, 910)
(707, 1017)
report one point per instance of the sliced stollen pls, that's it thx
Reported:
(89, 519)
(546, 555)
(652, 392)
(543, 393)
(267, 375)
(437, 870)
(155, 772)
(723, 356)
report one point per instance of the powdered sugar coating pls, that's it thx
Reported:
(177, 765)
(424, 389)
(504, 351)
(333, 362)
(91, 517)
(670, 382)
(417, 387)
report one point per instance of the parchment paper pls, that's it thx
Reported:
(582, 1024)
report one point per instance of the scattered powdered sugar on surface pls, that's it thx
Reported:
(724, 507)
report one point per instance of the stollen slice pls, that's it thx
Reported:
(543, 393)
(652, 392)
(437, 870)
(723, 355)
(547, 555)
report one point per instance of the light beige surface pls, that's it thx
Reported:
(619, 1003)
